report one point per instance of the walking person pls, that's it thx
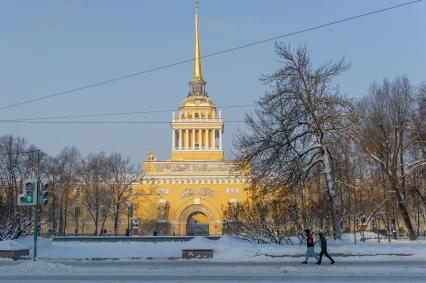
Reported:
(310, 246)
(323, 242)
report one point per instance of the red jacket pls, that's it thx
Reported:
(310, 241)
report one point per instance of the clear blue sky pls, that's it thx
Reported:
(50, 46)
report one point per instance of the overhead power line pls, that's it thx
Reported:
(117, 113)
(99, 122)
(96, 84)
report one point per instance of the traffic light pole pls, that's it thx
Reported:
(37, 208)
(36, 229)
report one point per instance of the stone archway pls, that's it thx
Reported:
(197, 224)
(202, 212)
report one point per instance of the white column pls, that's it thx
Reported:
(186, 139)
(207, 139)
(220, 139)
(193, 139)
(173, 139)
(180, 139)
(200, 139)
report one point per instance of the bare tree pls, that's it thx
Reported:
(18, 162)
(119, 178)
(257, 220)
(383, 120)
(96, 197)
(61, 172)
(418, 137)
(295, 124)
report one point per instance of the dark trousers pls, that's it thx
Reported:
(324, 252)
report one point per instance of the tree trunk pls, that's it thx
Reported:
(116, 215)
(96, 221)
(405, 216)
(53, 215)
(337, 232)
(66, 210)
(65, 218)
(103, 224)
(61, 217)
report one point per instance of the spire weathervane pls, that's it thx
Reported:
(196, 73)
(197, 83)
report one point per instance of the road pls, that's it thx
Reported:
(206, 271)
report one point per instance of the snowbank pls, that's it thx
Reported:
(226, 248)
(8, 245)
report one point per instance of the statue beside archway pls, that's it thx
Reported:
(163, 210)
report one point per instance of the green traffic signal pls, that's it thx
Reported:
(30, 192)
(29, 198)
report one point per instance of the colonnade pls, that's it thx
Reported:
(197, 139)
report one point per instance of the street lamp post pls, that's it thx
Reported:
(128, 221)
(129, 218)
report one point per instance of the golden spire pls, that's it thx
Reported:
(196, 72)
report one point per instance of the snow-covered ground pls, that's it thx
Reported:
(225, 249)
(233, 259)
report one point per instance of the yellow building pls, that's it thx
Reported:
(186, 195)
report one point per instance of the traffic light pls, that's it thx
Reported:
(130, 210)
(44, 194)
(29, 193)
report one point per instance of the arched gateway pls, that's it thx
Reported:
(197, 224)
(197, 220)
